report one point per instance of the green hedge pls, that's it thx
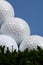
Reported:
(33, 57)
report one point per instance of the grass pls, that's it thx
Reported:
(33, 57)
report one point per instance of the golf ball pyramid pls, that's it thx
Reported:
(15, 31)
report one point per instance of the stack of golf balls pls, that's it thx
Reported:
(15, 31)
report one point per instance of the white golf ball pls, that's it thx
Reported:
(16, 28)
(30, 42)
(8, 42)
(6, 10)
(39, 38)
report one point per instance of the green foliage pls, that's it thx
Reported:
(33, 57)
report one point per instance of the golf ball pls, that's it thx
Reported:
(16, 28)
(6, 10)
(8, 42)
(39, 38)
(31, 43)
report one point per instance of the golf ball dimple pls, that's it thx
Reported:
(16, 28)
(31, 43)
(6, 10)
(8, 42)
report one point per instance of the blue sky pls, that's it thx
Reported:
(32, 12)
